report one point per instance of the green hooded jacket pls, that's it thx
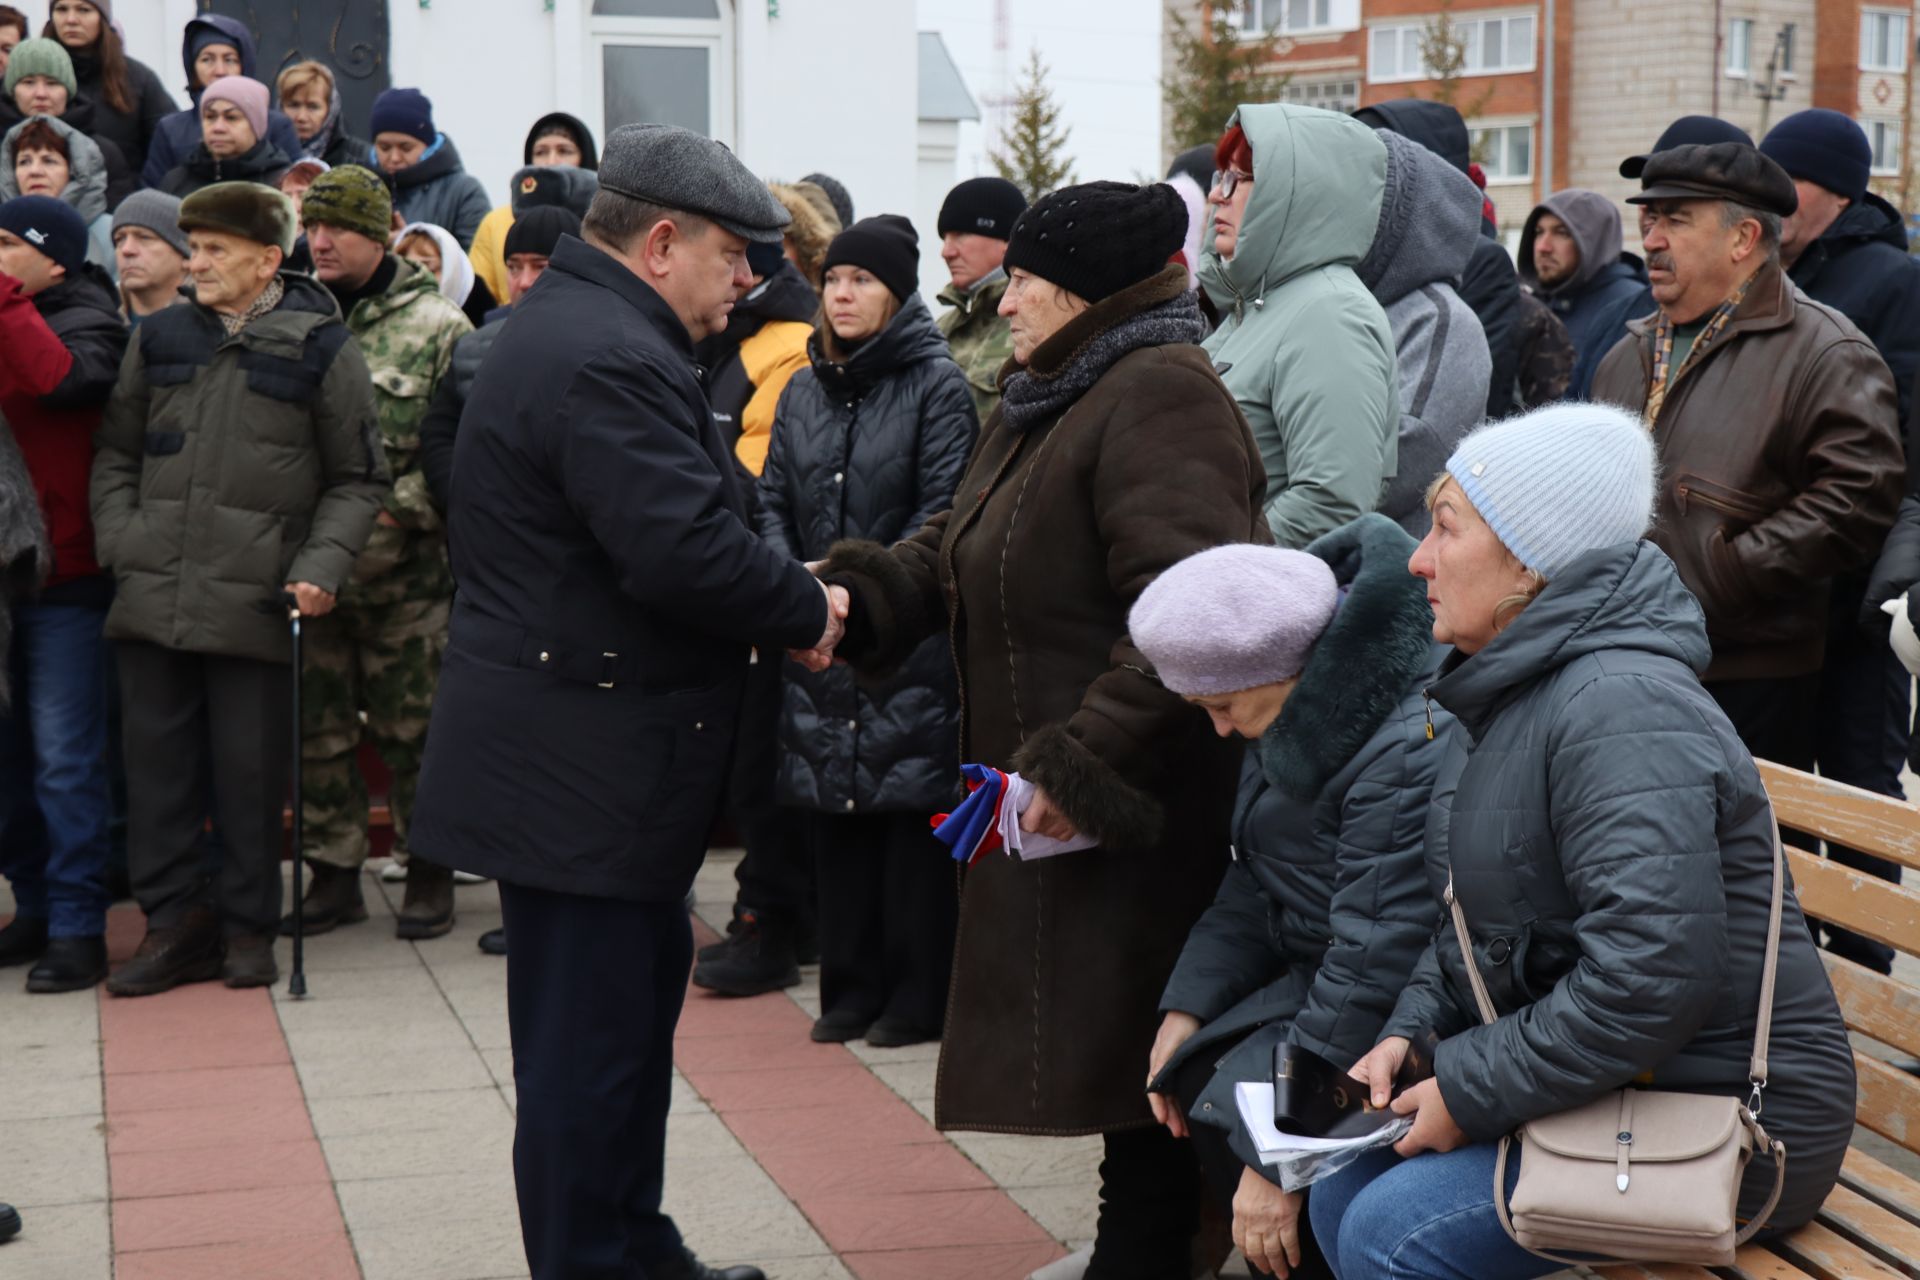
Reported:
(407, 335)
(979, 337)
(1302, 344)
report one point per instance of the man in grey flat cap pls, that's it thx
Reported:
(1775, 420)
(610, 593)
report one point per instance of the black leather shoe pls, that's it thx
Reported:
(250, 961)
(190, 951)
(838, 1028)
(688, 1267)
(9, 1222)
(759, 959)
(494, 942)
(332, 899)
(886, 1033)
(70, 964)
(23, 940)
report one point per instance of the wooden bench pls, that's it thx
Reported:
(1870, 1226)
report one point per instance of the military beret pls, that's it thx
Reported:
(351, 198)
(244, 209)
(677, 168)
(1735, 171)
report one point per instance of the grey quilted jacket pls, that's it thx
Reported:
(1610, 842)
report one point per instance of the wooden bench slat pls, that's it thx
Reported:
(1754, 1262)
(1845, 815)
(1653, 1271)
(1881, 910)
(1882, 1184)
(1826, 1255)
(1877, 1006)
(1889, 1101)
(1887, 1236)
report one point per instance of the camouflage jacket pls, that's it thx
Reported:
(981, 341)
(407, 335)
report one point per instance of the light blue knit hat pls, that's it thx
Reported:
(1559, 482)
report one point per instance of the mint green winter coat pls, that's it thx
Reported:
(1302, 344)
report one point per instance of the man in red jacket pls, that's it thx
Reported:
(61, 339)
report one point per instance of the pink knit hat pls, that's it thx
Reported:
(250, 96)
(1234, 618)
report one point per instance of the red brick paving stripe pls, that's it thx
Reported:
(884, 1189)
(213, 1165)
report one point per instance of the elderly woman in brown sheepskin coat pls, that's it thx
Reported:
(1115, 454)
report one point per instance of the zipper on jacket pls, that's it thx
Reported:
(1687, 493)
(1426, 696)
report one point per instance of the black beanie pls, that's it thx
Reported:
(539, 229)
(887, 245)
(982, 207)
(1129, 234)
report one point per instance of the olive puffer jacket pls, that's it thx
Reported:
(1325, 909)
(229, 466)
(870, 448)
(1612, 847)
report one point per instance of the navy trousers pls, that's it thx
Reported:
(594, 989)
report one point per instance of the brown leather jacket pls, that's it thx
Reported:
(1780, 466)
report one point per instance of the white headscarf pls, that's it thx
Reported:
(456, 269)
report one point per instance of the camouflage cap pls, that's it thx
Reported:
(352, 199)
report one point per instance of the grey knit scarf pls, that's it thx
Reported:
(1028, 398)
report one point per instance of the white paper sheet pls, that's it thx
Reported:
(1028, 845)
(1256, 1112)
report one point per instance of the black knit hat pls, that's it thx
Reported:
(887, 245)
(982, 207)
(539, 229)
(1097, 238)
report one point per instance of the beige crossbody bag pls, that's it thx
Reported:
(1640, 1175)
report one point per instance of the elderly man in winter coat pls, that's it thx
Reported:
(61, 341)
(1846, 247)
(1776, 422)
(1429, 226)
(237, 461)
(610, 593)
(975, 221)
(1570, 258)
(376, 655)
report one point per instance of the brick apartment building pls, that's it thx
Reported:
(1558, 91)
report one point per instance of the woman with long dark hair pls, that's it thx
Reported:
(129, 100)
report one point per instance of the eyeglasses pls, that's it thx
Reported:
(1225, 180)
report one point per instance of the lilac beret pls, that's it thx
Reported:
(1234, 618)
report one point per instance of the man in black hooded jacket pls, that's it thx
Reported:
(1490, 286)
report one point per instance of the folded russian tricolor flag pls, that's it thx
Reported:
(989, 819)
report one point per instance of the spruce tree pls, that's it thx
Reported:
(1034, 156)
(1216, 67)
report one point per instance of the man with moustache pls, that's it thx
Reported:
(1776, 422)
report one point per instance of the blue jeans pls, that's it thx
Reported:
(53, 769)
(1427, 1218)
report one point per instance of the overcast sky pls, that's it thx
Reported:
(1104, 56)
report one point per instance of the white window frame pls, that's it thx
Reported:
(1418, 26)
(1504, 123)
(1879, 129)
(714, 35)
(1313, 82)
(1254, 15)
(1739, 48)
(1898, 21)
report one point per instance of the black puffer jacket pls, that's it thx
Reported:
(201, 168)
(1325, 909)
(1610, 843)
(1861, 268)
(869, 449)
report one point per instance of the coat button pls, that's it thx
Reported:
(850, 806)
(839, 477)
(699, 726)
(853, 726)
(545, 656)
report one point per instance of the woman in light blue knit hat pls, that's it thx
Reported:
(1608, 840)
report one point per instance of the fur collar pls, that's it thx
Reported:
(1378, 643)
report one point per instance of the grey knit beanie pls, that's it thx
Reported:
(1559, 482)
(159, 213)
(1233, 618)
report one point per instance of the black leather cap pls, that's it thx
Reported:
(1718, 171)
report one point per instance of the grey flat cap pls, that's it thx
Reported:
(677, 168)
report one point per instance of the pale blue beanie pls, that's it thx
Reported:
(1559, 482)
(1233, 618)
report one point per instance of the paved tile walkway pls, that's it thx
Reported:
(366, 1131)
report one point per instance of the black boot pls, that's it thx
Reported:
(332, 899)
(427, 911)
(70, 964)
(23, 940)
(250, 961)
(189, 951)
(759, 959)
(687, 1267)
(9, 1222)
(494, 942)
(713, 950)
